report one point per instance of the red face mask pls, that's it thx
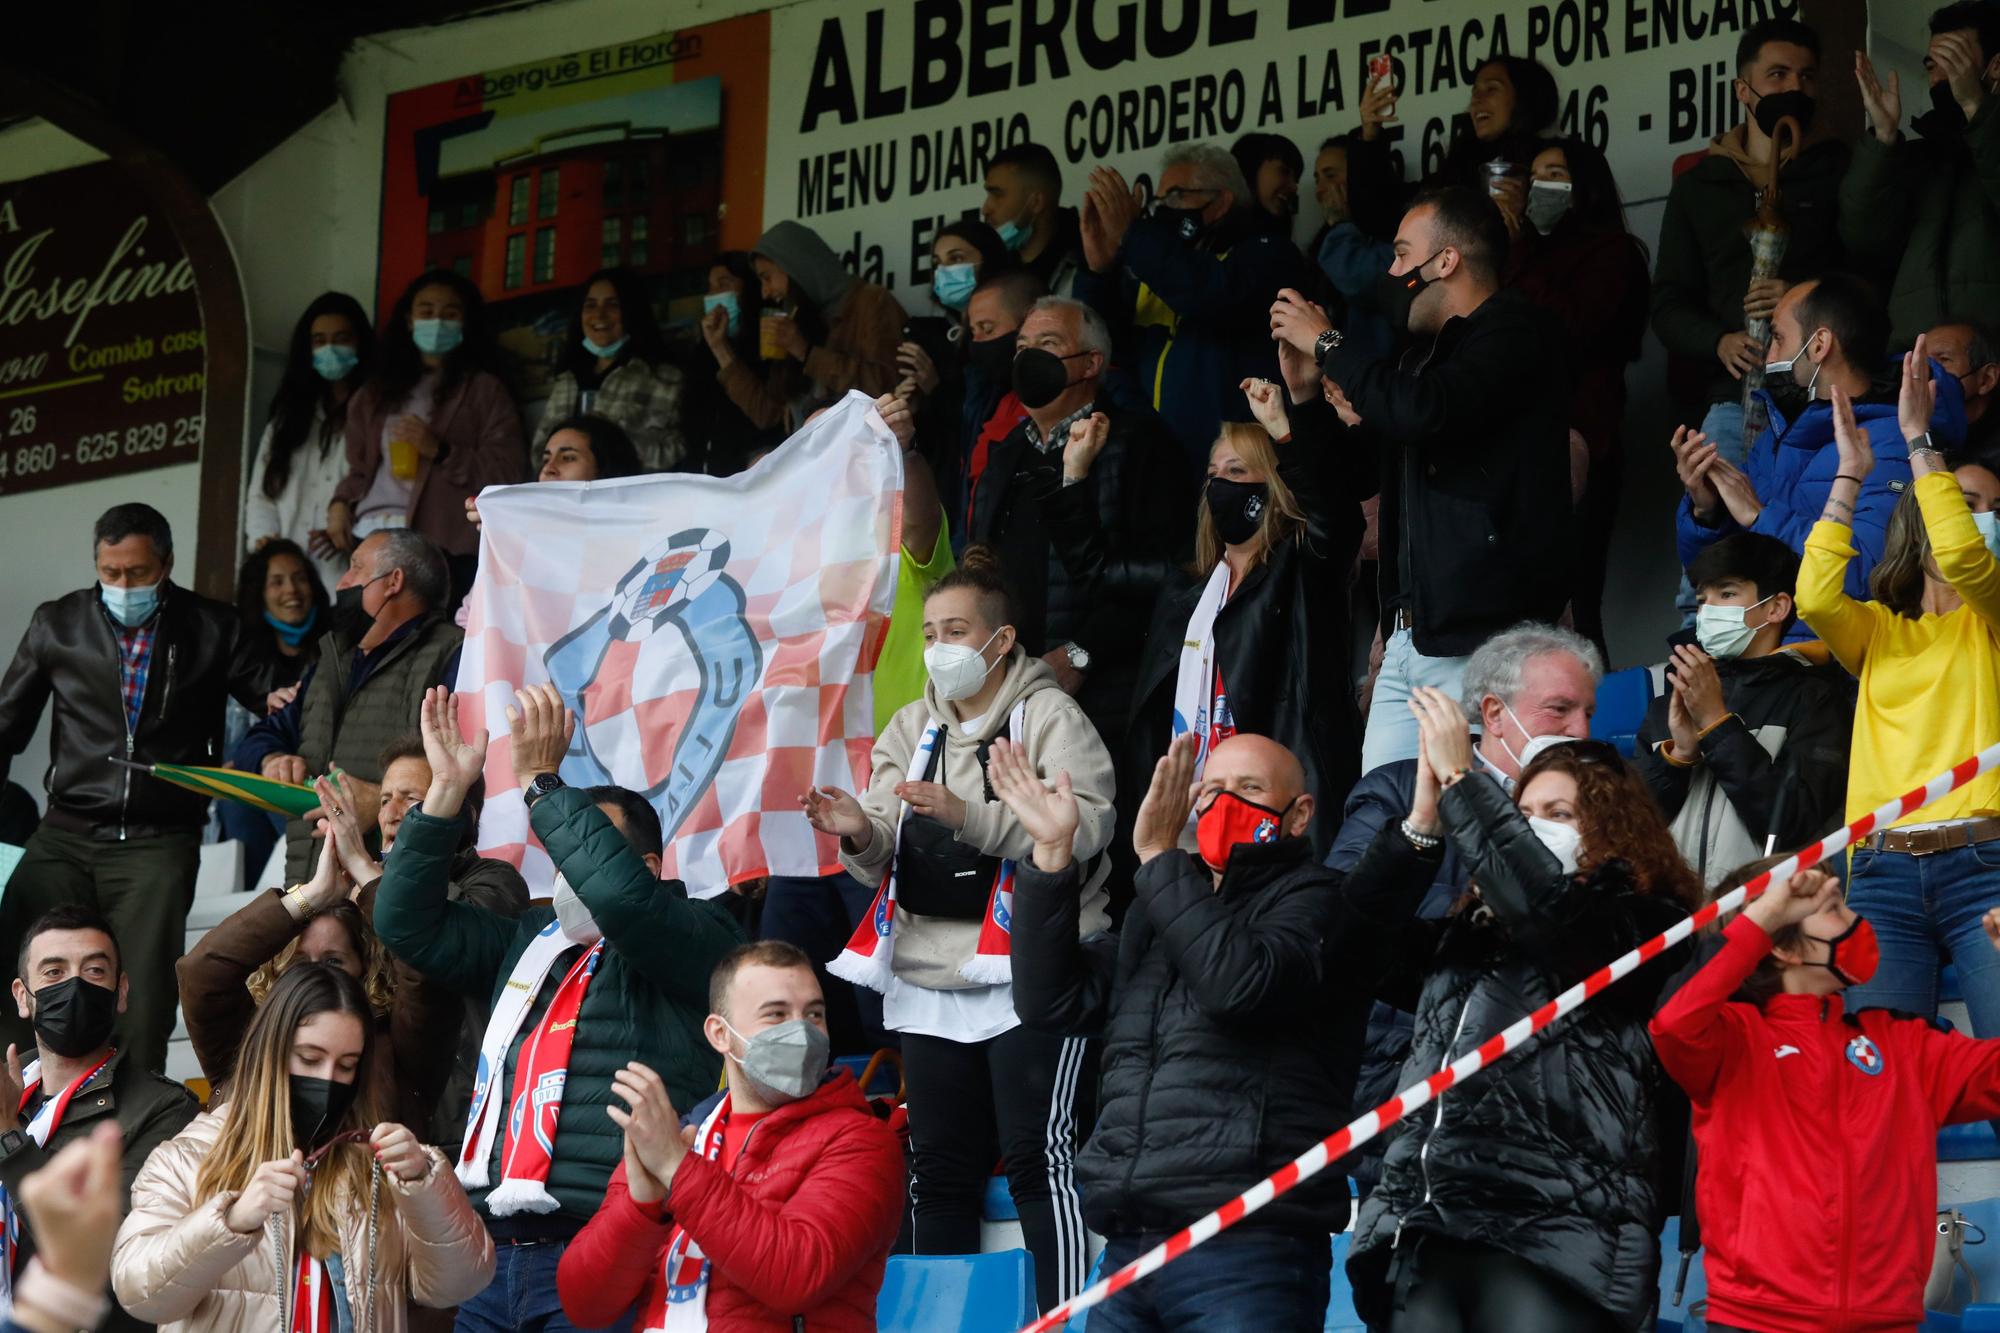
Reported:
(1230, 820)
(1853, 954)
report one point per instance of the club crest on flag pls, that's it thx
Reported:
(715, 638)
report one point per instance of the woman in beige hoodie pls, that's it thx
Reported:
(287, 1195)
(981, 1086)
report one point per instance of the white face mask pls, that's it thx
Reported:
(1535, 745)
(1988, 524)
(572, 917)
(1562, 840)
(956, 670)
(1721, 631)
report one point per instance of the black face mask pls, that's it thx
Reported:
(1185, 223)
(318, 1107)
(1396, 293)
(74, 1017)
(993, 358)
(1774, 108)
(1237, 508)
(1041, 376)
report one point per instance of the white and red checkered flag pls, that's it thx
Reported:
(715, 637)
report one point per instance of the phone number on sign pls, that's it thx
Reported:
(28, 460)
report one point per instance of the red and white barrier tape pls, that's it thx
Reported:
(1338, 1144)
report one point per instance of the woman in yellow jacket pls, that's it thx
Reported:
(1927, 653)
(290, 1208)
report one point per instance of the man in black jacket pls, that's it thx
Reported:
(1090, 507)
(138, 669)
(1231, 1008)
(1750, 742)
(1471, 427)
(70, 986)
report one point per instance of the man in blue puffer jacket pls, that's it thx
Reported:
(1828, 333)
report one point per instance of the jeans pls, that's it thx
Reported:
(818, 915)
(1392, 732)
(1241, 1281)
(522, 1298)
(1723, 424)
(1924, 908)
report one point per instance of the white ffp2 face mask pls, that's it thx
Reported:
(1562, 840)
(1534, 744)
(572, 917)
(958, 671)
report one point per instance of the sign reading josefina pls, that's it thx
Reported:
(102, 357)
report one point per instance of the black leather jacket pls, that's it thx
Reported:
(201, 653)
(1552, 1154)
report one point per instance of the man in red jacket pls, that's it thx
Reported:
(1817, 1127)
(779, 1205)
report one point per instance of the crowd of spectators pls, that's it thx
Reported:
(1233, 768)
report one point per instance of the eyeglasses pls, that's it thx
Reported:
(1178, 196)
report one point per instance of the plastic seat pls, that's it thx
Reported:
(1967, 1143)
(999, 1206)
(1622, 700)
(1340, 1316)
(1674, 1318)
(957, 1293)
(1982, 1254)
(1082, 1321)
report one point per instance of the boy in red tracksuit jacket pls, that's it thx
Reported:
(779, 1207)
(1817, 1128)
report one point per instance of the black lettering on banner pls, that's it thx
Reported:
(1164, 43)
(937, 46)
(1327, 97)
(1046, 35)
(989, 37)
(877, 101)
(1271, 102)
(847, 178)
(831, 87)
(1100, 52)
(1307, 13)
(868, 264)
(1226, 26)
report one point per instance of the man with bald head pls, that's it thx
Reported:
(1231, 1008)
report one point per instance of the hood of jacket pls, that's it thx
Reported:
(1025, 676)
(809, 262)
(1814, 428)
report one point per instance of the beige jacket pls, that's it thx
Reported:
(177, 1263)
(930, 950)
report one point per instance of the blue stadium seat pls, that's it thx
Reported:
(1673, 1318)
(884, 1081)
(1982, 1254)
(1622, 700)
(957, 1293)
(1340, 1316)
(1082, 1321)
(1967, 1143)
(1000, 1201)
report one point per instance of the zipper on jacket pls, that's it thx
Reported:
(1846, 1223)
(167, 689)
(1437, 1120)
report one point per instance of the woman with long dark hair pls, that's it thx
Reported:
(292, 1205)
(435, 424)
(1526, 1199)
(952, 397)
(1575, 257)
(615, 365)
(718, 428)
(1514, 104)
(302, 458)
(283, 604)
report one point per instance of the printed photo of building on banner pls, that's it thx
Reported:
(646, 155)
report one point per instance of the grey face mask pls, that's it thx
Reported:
(785, 1062)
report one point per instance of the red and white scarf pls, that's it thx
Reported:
(870, 956)
(312, 1297)
(678, 1299)
(45, 1123)
(539, 1078)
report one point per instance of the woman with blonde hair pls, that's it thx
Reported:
(1927, 653)
(285, 1210)
(1254, 638)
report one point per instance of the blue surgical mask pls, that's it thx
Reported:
(1988, 524)
(437, 337)
(606, 349)
(727, 300)
(130, 606)
(335, 361)
(1014, 234)
(952, 284)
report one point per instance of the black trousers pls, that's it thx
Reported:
(143, 887)
(1020, 1097)
(1465, 1288)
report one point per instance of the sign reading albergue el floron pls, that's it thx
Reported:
(102, 357)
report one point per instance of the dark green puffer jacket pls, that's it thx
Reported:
(646, 1003)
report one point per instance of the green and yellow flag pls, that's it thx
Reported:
(283, 798)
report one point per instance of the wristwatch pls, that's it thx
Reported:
(1325, 343)
(1078, 657)
(543, 784)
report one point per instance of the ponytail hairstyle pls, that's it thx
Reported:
(257, 1127)
(979, 571)
(1284, 520)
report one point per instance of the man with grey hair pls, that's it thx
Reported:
(1187, 288)
(1522, 687)
(390, 641)
(1089, 509)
